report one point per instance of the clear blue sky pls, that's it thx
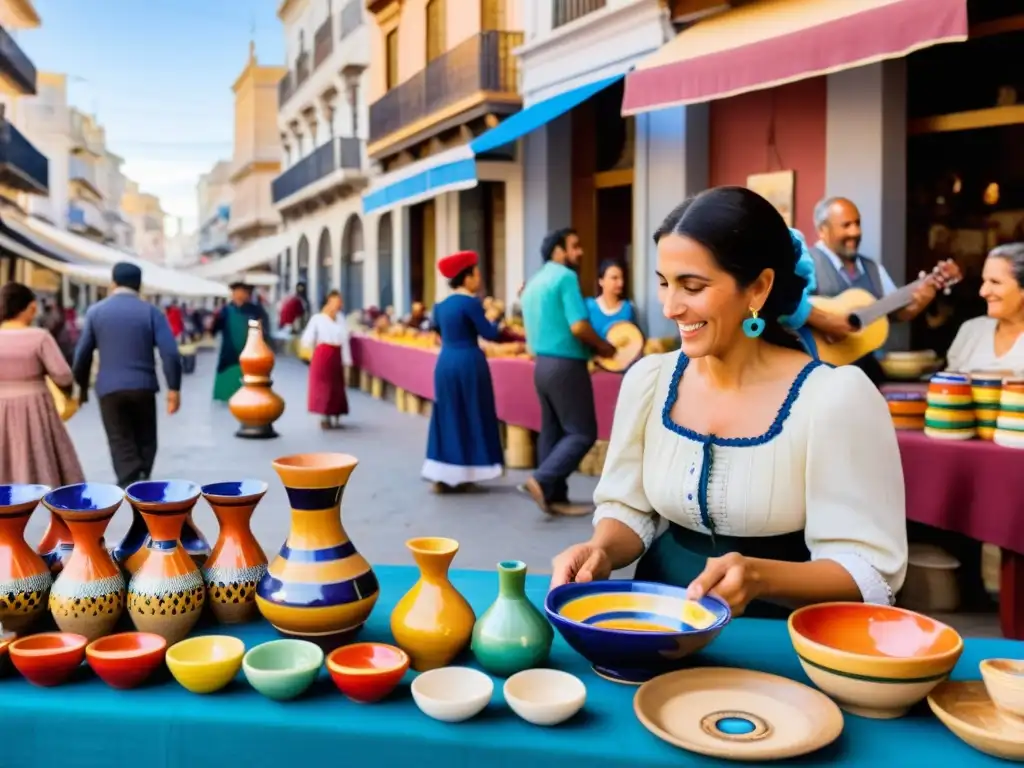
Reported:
(158, 75)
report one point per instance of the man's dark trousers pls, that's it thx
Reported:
(129, 419)
(568, 422)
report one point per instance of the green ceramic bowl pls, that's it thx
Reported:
(283, 669)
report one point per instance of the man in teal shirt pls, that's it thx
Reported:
(562, 341)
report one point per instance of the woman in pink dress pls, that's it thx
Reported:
(34, 445)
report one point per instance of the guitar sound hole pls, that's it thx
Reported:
(855, 322)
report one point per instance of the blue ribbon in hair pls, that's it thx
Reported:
(797, 319)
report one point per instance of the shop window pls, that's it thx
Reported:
(435, 29)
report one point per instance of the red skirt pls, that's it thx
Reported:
(327, 382)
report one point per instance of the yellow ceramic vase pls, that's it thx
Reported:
(433, 623)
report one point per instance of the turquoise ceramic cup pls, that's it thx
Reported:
(283, 669)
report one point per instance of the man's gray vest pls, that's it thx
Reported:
(832, 282)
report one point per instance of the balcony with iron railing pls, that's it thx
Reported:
(285, 89)
(565, 11)
(84, 216)
(301, 70)
(323, 42)
(336, 154)
(15, 66)
(22, 166)
(351, 17)
(483, 64)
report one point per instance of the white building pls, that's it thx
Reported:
(214, 194)
(322, 117)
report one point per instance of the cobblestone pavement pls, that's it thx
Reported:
(386, 502)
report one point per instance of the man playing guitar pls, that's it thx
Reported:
(840, 266)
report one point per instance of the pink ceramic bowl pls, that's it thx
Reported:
(49, 658)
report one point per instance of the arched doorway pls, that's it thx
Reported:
(352, 257)
(385, 266)
(303, 263)
(324, 262)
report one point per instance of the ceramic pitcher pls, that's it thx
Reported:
(512, 635)
(433, 622)
(237, 562)
(25, 578)
(166, 594)
(88, 595)
(318, 587)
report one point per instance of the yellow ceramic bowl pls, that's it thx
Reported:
(1004, 681)
(205, 664)
(874, 660)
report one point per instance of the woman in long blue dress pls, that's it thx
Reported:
(464, 444)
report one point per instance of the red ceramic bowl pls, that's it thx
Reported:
(48, 658)
(126, 660)
(367, 672)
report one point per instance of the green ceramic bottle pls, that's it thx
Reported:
(512, 635)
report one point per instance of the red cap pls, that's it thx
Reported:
(450, 266)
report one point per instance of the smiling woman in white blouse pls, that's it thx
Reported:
(327, 335)
(994, 341)
(779, 477)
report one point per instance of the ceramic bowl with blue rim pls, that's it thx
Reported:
(631, 631)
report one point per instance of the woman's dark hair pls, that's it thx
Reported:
(330, 295)
(14, 299)
(746, 236)
(1014, 254)
(603, 267)
(459, 280)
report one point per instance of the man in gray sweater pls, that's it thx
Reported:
(124, 329)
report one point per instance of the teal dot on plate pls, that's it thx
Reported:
(735, 726)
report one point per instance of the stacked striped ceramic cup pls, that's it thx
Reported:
(986, 389)
(1010, 424)
(950, 413)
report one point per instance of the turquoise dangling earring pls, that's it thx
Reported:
(753, 326)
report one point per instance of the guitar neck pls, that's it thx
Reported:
(894, 302)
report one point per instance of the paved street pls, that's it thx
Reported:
(386, 502)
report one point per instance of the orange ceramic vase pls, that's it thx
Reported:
(87, 597)
(55, 546)
(237, 563)
(25, 579)
(166, 595)
(256, 405)
(318, 587)
(433, 622)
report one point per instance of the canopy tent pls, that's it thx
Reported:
(256, 254)
(25, 247)
(155, 278)
(774, 42)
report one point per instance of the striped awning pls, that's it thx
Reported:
(774, 42)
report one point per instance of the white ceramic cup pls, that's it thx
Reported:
(545, 696)
(452, 694)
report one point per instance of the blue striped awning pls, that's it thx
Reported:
(456, 168)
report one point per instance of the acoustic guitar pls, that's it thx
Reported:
(869, 317)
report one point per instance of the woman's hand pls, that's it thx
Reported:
(580, 563)
(731, 577)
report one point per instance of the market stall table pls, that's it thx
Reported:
(974, 488)
(85, 724)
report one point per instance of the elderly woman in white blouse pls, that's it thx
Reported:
(994, 341)
(327, 336)
(779, 477)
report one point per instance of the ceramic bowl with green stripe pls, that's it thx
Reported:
(874, 660)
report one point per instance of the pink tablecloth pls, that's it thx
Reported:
(412, 369)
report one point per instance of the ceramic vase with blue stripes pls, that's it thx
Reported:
(318, 587)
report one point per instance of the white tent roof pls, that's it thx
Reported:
(155, 278)
(256, 254)
(92, 275)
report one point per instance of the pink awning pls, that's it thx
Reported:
(774, 42)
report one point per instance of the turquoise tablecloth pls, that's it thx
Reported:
(85, 723)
